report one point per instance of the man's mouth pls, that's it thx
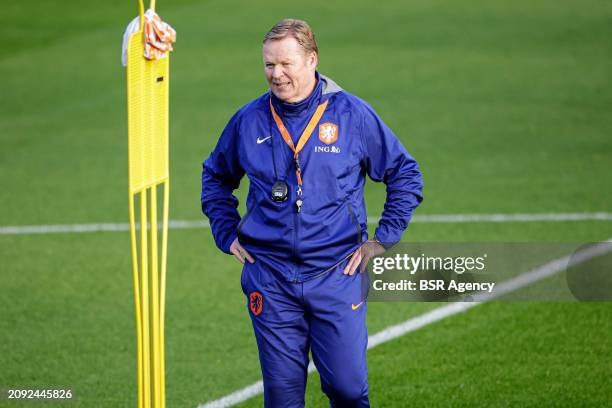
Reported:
(281, 84)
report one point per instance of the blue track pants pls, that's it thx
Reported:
(326, 315)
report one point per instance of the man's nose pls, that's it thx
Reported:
(277, 72)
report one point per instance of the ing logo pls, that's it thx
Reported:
(255, 303)
(327, 149)
(328, 132)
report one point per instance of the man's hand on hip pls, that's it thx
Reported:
(240, 253)
(362, 256)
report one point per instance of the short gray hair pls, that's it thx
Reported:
(298, 29)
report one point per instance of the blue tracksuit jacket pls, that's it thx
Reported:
(333, 219)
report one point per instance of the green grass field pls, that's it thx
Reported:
(506, 106)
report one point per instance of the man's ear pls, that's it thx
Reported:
(313, 60)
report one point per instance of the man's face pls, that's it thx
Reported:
(289, 70)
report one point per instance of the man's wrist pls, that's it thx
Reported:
(385, 245)
(228, 243)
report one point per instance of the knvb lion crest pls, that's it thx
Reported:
(328, 132)
(256, 302)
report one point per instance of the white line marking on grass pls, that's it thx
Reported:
(553, 217)
(237, 397)
(100, 227)
(415, 323)
(434, 218)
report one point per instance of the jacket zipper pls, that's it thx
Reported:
(296, 222)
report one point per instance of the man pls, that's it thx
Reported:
(306, 146)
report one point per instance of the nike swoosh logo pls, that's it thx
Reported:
(356, 306)
(260, 141)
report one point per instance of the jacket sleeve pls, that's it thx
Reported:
(221, 174)
(388, 161)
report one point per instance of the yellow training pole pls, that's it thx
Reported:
(148, 102)
(145, 300)
(138, 302)
(155, 301)
(162, 295)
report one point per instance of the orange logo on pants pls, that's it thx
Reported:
(255, 303)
